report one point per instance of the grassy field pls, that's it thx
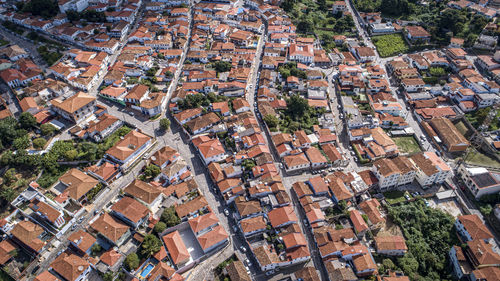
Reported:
(394, 197)
(480, 159)
(407, 144)
(390, 44)
(462, 128)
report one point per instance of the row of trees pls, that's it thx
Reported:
(87, 15)
(198, 100)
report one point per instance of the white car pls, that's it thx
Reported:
(226, 211)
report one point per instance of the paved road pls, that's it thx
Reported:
(177, 74)
(29, 47)
(407, 115)
(252, 84)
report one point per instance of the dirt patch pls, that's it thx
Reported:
(389, 229)
(449, 206)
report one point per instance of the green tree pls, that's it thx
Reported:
(169, 217)
(437, 71)
(10, 176)
(165, 124)
(297, 106)
(88, 151)
(71, 155)
(132, 261)
(322, 5)
(21, 142)
(305, 25)
(486, 209)
(478, 23)
(108, 276)
(150, 245)
(395, 7)
(39, 143)
(452, 19)
(222, 66)
(7, 193)
(44, 8)
(345, 23)
(365, 217)
(151, 171)
(26, 120)
(470, 39)
(96, 249)
(271, 121)
(388, 264)
(47, 129)
(408, 264)
(160, 227)
(429, 234)
(9, 131)
(248, 164)
(481, 115)
(367, 5)
(288, 5)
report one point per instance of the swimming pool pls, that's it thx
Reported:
(146, 270)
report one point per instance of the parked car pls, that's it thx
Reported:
(226, 212)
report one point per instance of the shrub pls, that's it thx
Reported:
(47, 129)
(160, 227)
(132, 261)
(164, 124)
(39, 143)
(390, 44)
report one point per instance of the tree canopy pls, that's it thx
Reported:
(150, 245)
(193, 101)
(290, 69)
(169, 217)
(429, 236)
(271, 121)
(45, 8)
(132, 261)
(26, 120)
(164, 124)
(297, 106)
(222, 66)
(151, 171)
(88, 15)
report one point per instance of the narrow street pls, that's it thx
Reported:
(405, 113)
(177, 74)
(29, 47)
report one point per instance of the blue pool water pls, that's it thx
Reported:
(147, 270)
